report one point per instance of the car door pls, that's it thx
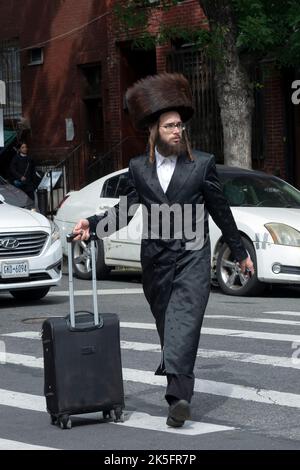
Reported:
(123, 245)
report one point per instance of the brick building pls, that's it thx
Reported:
(68, 67)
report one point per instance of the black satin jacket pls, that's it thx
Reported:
(193, 182)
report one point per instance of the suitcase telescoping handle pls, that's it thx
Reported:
(93, 238)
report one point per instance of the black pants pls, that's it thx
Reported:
(179, 387)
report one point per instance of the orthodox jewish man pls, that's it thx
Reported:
(175, 250)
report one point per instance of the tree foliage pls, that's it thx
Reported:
(270, 28)
(262, 28)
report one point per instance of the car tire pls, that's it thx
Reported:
(231, 280)
(82, 264)
(30, 294)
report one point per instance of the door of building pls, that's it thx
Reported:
(135, 64)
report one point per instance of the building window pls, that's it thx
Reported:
(36, 56)
(10, 73)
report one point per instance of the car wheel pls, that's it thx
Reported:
(82, 262)
(230, 278)
(30, 294)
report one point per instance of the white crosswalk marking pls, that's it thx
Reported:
(229, 390)
(134, 419)
(283, 312)
(204, 331)
(158, 423)
(6, 444)
(273, 321)
(275, 361)
(240, 392)
(139, 420)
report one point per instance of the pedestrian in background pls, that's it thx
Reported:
(22, 171)
(176, 274)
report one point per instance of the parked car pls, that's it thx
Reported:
(30, 252)
(266, 210)
(14, 196)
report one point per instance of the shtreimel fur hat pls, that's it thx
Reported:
(148, 98)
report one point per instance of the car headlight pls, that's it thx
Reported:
(283, 234)
(55, 235)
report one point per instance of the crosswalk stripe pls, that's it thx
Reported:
(6, 444)
(30, 402)
(78, 293)
(260, 359)
(283, 312)
(21, 360)
(25, 401)
(158, 423)
(24, 335)
(225, 332)
(274, 321)
(204, 331)
(210, 387)
(251, 334)
(230, 390)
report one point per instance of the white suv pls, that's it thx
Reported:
(30, 253)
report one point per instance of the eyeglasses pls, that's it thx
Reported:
(171, 126)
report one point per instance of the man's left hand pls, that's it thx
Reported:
(246, 265)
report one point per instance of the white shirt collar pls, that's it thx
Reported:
(160, 158)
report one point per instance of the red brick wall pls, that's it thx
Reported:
(188, 14)
(51, 91)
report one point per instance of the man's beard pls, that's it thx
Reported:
(167, 149)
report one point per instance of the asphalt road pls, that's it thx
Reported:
(247, 392)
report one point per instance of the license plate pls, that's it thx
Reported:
(15, 269)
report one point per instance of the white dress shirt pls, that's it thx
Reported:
(165, 167)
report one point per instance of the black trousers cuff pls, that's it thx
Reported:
(180, 387)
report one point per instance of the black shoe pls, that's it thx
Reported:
(178, 413)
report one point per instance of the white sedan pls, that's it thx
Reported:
(266, 210)
(30, 253)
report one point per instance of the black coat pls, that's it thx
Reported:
(176, 280)
(23, 166)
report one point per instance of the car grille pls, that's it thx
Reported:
(33, 277)
(29, 244)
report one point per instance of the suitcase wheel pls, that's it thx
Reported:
(119, 415)
(107, 414)
(65, 422)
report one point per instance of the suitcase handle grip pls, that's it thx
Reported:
(70, 237)
(85, 326)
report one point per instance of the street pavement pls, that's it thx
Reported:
(247, 388)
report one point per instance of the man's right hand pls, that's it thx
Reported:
(82, 230)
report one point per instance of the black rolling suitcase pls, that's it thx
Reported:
(82, 361)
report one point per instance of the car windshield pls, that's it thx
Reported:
(259, 191)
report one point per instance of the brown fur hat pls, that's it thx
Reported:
(148, 98)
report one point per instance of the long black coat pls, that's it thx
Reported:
(23, 166)
(176, 280)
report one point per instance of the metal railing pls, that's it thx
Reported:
(74, 172)
(103, 165)
(61, 178)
